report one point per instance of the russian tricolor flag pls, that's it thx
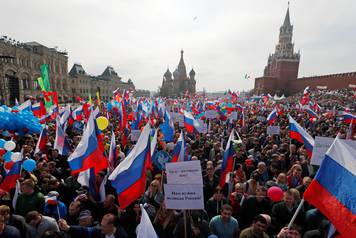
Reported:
(77, 114)
(272, 117)
(42, 141)
(311, 113)
(25, 106)
(11, 177)
(297, 132)
(89, 179)
(61, 143)
(239, 107)
(179, 149)
(333, 191)
(190, 123)
(112, 153)
(129, 177)
(228, 161)
(348, 117)
(90, 150)
(36, 109)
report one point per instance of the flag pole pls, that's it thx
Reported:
(185, 223)
(296, 213)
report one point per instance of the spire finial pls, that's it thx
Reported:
(181, 52)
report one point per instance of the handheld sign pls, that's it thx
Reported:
(187, 172)
(273, 130)
(321, 145)
(187, 196)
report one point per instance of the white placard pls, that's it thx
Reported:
(273, 130)
(187, 196)
(233, 116)
(177, 117)
(211, 114)
(187, 172)
(321, 145)
(203, 128)
(135, 134)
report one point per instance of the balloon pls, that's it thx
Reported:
(29, 165)
(275, 193)
(2, 143)
(16, 156)
(8, 165)
(2, 151)
(102, 122)
(7, 156)
(10, 145)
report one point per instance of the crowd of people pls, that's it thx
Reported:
(52, 203)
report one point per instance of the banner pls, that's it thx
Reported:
(321, 145)
(273, 130)
(187, 196)
(187, 172)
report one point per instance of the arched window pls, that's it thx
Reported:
(25, 78)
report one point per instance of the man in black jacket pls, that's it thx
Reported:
(109, 227)
(283, 212)
(253, 206)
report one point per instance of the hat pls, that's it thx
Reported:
(267, 218)
(84, 214)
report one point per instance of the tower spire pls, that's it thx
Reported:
(287, 18)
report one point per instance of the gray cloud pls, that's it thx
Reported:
(140, 38)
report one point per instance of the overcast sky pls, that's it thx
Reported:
(222, 39)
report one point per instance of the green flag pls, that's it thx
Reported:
(40, 82)
(45, 83)
(45, 77)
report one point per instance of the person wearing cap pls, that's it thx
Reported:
(29, 199)
(53, 207)
(258, 227)
(37, 224)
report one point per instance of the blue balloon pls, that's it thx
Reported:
(7, 156)
(2, 143)
(29, 165)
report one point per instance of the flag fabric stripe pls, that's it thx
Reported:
(272, 117)
(333, 191)
(90, 152)
(190, 123)
(227, 164)
(11, 177)
(342, 218)
(129, 177)
(298, 133)
(336, 172)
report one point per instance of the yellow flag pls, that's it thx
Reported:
(98, 97)
(90, 101)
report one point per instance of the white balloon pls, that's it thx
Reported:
(10, 145)
(16, 156)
